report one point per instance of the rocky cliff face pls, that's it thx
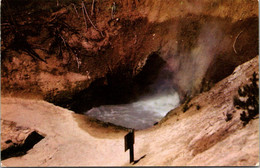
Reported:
(203, 41)
(56, 51)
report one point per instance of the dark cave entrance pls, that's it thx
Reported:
(21, 149)
(132, 102)
(119, 87)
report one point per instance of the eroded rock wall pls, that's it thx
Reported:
(201, 41)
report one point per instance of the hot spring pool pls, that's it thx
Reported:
(141, 114)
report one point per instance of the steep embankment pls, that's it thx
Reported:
(197, 137)
(203, 136)
(200, 41)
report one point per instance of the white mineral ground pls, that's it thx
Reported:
(196, 137)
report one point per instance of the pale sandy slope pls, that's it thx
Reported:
(196, 137)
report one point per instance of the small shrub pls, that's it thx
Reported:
(185, 108)
(248, 100)
(186, 105)
(228, 117)
(197, 107)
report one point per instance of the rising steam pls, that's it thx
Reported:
(146, 111)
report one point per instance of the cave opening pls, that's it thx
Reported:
(133, 102)
(21, 149)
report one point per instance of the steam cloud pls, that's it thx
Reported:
(189, 67)
(143, 113)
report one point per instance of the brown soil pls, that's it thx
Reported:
(195, 38)
(98, 128)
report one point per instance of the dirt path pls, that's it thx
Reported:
(196, 137)
(65, 142)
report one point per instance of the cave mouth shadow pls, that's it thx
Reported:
(119, 87)
(21, 149)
